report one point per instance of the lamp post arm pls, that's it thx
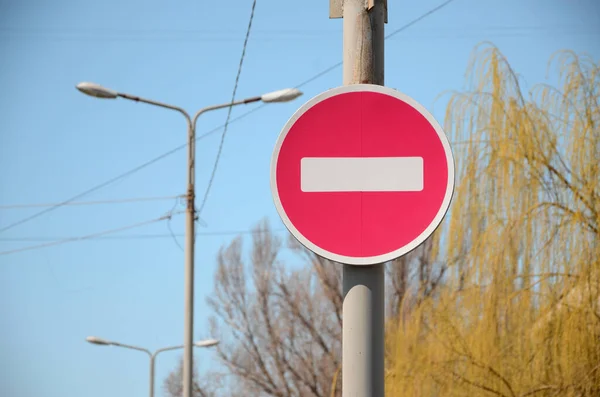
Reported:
(156, 103)
(223, 105)
(141, 349)
(164, 349)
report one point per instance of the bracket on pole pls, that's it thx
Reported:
(336, 8)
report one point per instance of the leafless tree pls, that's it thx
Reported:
(281, 326)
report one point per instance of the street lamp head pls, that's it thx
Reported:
(206, 343)
(98, 341)
(96, 90)
(284, 95)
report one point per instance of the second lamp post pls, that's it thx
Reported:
(103, 342)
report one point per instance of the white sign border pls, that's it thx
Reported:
(371, 260)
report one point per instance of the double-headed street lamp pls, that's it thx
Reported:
(152, 355)
(98, 91)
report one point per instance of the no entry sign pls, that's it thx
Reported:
(362, 174)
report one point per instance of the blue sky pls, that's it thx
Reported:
(56, 143)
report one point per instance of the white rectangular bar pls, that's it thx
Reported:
(361, 174)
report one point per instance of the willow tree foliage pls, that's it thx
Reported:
(518, 313)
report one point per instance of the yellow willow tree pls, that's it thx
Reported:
(519, 310)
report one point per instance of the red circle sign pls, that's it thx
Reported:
(362, 174)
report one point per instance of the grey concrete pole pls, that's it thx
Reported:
(190, 215)
(363, 306)
(188, 332)
(152, 361)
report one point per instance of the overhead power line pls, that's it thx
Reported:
(135, 236)
(419, 19)
(98, 202)
(180, 147)
(229, 110)
(89, 236)
(199, 35)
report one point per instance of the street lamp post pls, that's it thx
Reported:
(152, 355)
(98, 91)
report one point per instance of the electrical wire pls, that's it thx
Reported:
(116, 201)
(200, 35)
(87, 237)
(180, 147)
(137, 236)
(171, 229)
(419, 19)
(229, 110)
